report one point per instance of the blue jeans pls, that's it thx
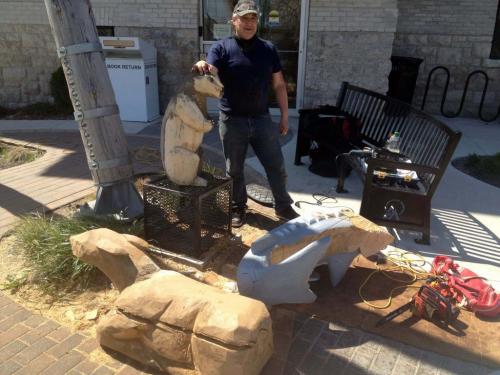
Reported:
(236, 133)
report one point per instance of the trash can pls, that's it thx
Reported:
(403, 77)
(131, 64)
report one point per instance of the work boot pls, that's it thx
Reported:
(287, 213)
(238, 216)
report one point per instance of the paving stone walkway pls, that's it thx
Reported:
(326, 348)
(31, 344)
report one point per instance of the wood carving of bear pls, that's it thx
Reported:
(183, 127)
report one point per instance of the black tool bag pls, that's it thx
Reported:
(331, 136)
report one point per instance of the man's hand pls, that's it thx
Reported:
(202, 67)
(279, 87)
(283, 125)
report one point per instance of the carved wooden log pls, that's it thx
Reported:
(278, 266)
(120, 257)
(171, 322)
(183, 128)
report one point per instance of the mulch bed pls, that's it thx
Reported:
(490, 178)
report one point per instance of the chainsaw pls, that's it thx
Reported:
(431, 302)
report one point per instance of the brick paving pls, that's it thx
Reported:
(31, 344)
(320, 347)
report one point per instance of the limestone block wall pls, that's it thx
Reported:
(27, 48)
(27, 60)
(348, 40)
(456, 34)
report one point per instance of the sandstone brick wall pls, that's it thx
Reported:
(348, 40)
(456, 34)
(27, 48)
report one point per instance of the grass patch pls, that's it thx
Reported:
(12, 155)
(46, 251)
(212, 169)
(484, 164)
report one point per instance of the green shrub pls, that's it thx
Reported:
(472, 160)
(484, 164)
(46, 251)
(4, 112)
(491, 164)
(40, 109)
(62, 102)
(59, 91)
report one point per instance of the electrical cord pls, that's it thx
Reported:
(320, 200)
(403, 262)
(325, 200)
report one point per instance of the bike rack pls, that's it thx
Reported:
(464, 94)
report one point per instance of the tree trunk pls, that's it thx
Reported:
(75, 34)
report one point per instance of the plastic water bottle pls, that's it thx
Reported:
(393, 143)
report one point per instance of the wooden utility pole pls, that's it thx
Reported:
(78, 47)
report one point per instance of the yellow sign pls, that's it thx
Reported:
(118, 43)
(274, 18)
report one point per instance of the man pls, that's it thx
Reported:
(247, 66)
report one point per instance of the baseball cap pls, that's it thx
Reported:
(245, 7)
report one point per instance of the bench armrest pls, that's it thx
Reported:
(373, 164)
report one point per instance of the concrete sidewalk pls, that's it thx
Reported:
(30, 344)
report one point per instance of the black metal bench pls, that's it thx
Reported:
(393, 199)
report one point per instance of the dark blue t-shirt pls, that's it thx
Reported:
(246, 74)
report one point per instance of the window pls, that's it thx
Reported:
(216, 17)
(495, 45)
(106, 30)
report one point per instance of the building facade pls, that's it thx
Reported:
(457, 34)
(322, 43)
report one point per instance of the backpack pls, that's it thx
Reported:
(468, 288)
(332, 135)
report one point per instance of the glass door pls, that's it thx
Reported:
(280, 22)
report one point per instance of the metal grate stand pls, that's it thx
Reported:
(187, 220)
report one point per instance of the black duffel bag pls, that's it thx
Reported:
(331, 135)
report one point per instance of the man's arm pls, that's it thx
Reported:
(279, 87)
(212, 61)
